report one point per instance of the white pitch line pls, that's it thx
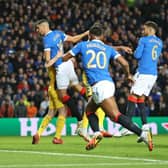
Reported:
(82, 164)
(83, 155)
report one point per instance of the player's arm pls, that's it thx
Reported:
(139, 50)
(125, 67)
(49, 62)
(123, 48)
(67, 56)
(75, 39)
(73, 52)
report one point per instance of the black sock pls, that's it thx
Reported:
(130, 109)
(127, 123)
(93, 121)
(142, 110)
(85, 97)
(72, 105)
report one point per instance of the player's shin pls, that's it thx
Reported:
(44, 124)
(72, 105)
(131, 106)
(93, 121)
(142, 109)
(127, 123)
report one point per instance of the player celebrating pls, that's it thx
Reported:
(96, 58)
(147, 53)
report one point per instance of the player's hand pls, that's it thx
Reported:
(87, 33)
(130, 79)
(127, 49)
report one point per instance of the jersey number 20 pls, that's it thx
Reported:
(95, 60)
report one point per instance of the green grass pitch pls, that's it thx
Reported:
(18, 152)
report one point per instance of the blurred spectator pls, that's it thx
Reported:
(43, 107)
(21, 60)
(6, 108)
(31, 110)
(20, 108)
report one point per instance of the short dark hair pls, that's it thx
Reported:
(39, 22)
(97, 29)
(151, 24)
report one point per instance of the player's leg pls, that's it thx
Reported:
(63, 81)
(59, 126)
(103, 94)
(132, 98)
(142, 109)
(83, 130)
(81, 90)
(111, 109)
(100, 114)
(131, 103)
(94, 123)
(47, 118)
(43, 126)
(62, 111)
(148, 82)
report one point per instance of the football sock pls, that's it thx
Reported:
(72, 105)
(85, 121)
(83, 93)
(131, 106)
(93, 121)
(142, 110)
(100, 114)
(59, 126)
(127, 123)
(44, 124)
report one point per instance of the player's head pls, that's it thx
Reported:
(96, 32)
(149, 28)
(42, 27)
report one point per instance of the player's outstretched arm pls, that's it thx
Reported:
(123, 48)
(49, 62)
(75, 39)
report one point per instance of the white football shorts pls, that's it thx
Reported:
(143, 84)
(103, 90)
(66, 75)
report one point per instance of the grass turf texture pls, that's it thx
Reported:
(111, 152)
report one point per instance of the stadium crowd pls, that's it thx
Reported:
(23, 77)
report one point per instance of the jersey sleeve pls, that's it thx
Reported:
(139, 50)
(46, 44)
(114, 54)
(76, 49)
(63, 36)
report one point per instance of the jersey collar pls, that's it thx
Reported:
(48, 32)
(98, 41)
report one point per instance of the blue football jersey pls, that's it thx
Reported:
(53, 41)
(95, 56)
(147, 53)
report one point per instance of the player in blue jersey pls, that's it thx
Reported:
(64, 71)
(147, 54)
(96, 56)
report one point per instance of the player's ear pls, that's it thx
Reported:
(89, 36)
